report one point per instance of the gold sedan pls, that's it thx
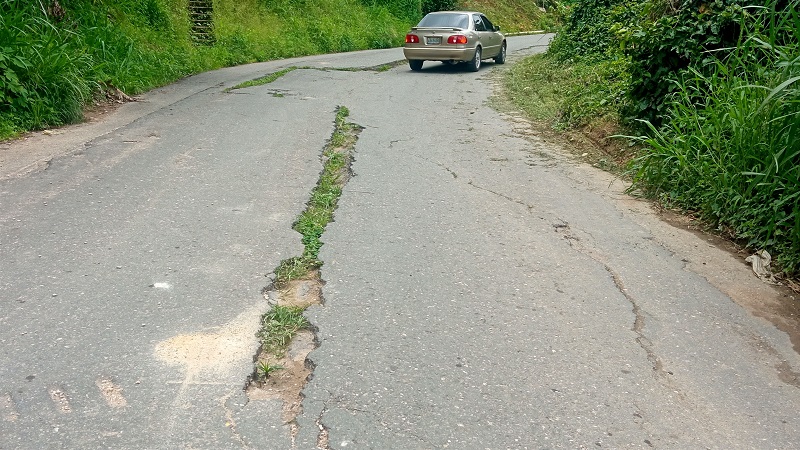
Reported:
(454, 37)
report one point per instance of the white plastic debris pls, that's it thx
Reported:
(760, 262)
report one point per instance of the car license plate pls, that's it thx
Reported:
(433, 40)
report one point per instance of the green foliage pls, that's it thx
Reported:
(324, 199)
(325, 196)
(719, 83)
(730, 144)
(153, 14)
(407, 9)
(55, 56)
(590, 29)
(295, 268)
(584, 75)
(44, 67)
(661, 51)
(438, 5)
(518, 15)
(265, 369)
(266, 79)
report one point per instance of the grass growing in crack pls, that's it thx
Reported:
(278, 326)
(265, 369)
(324, 199)
(266, 79)
(378, 68)
(281, 323)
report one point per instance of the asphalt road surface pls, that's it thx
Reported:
(483, 290)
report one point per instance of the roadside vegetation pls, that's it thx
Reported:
(59, 56)
(707, 93)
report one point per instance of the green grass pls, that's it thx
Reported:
(323, 200)
(275, 75)
(51, 66)
(567, 94)
(278, 326)
(729, 147)
(265, 369)
(730, 150)
(263, 80)
(516, 15)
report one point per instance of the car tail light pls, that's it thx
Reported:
(412, 39)
(457, 39)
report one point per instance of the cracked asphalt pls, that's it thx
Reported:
(483, 290)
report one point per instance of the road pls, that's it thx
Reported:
(483, 289)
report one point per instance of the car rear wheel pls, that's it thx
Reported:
(501, 57)
(475, 63)
(415, 64)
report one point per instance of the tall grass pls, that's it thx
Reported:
(730, 148)
(43, 69)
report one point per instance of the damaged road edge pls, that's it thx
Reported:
(281, 365)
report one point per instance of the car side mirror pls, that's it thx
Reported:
(496, 28)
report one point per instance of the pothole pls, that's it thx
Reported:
(292, 368)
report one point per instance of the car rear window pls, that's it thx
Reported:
(445, 20)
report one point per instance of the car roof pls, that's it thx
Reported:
(455, 12)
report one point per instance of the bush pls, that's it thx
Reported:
(56, 54)
(694, 36)
(44, 67)
(590, 29)
(406, 9)
(730, 145)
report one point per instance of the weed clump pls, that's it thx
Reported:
(278, 326)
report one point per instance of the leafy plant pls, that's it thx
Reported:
(518, 15)
(438, 5)
(53, 64)
(153, 14)
(43, 68)
(663, 50)
(408, 9)
(264, 369)
(591, 29)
